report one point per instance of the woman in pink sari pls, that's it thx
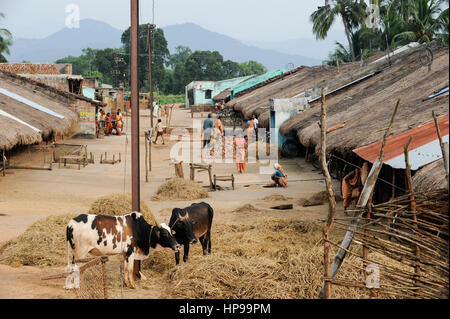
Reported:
(239, 143)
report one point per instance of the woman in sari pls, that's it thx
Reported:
(239, 143)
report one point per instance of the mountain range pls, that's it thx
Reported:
(100, 35)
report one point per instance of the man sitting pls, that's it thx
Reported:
(279, 176)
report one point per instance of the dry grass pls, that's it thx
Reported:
(119, 204)
(319, 198)
(44, 242)
(247, 208)
(268, 258)
(276, 197)
(180, 189)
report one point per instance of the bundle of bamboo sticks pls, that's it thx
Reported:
(415, 245)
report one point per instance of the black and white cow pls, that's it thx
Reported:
(190, 223)
(129, 235)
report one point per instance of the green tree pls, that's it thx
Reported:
(94, 73)
(251, 67)
(424, 24)
(160, 56)
(181, 55)
(352, 13)
(5, 42)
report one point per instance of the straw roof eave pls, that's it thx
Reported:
(14, 133)
(430, 177)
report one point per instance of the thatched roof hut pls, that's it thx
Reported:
(52, 100)
(430, 177)
(367, 106)
(288, 85)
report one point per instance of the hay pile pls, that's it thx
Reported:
(276, 197)
(119, 204)
(269, 258)
(247, 208)
(317, 199)
(44, 242)
(180, 189)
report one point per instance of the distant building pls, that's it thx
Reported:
(202, 92)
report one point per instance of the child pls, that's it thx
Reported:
(159, 132)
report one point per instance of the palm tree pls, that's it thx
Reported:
(426, 21)
(351, 12)
(5, 41)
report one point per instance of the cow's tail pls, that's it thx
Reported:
(70, 244)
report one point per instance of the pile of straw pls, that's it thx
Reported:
(267, 258)
(247, 208)
(119, 204)
(42, 244)
(317, 199)
(276, 197)
(180, 189)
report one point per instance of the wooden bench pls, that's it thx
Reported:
(79, 159)
(225, 178)
(201, 168)
(107, 161)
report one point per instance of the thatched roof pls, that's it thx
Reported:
(55, 100)
(62, 95)
(255, 101)
(225, 94)
(366, 107)
(29, 68)
(430, 177)
(14, 133)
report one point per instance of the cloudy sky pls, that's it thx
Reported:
(248, 20)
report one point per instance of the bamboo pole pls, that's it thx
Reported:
(146, 157)
(331, 198)
(438, 131)
(409, 183)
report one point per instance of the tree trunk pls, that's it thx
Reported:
(349, 38)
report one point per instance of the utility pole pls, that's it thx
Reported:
(150, 100)
(134, 57)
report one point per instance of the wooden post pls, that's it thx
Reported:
(210, 177)
(146, 158)
(215, 181)
(4, 162)
(441, 143)
(393, 183)
(331, 199)
(192, 175)
(412, 208)
(105, 289)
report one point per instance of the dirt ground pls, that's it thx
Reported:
(29, 195)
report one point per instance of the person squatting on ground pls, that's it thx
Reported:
(208, 127)
(279, 176)
(159, 132)
(353, 184)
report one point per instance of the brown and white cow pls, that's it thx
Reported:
(129, 235)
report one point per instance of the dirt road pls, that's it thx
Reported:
(27, 196)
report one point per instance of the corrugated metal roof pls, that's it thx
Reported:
(424, 148)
